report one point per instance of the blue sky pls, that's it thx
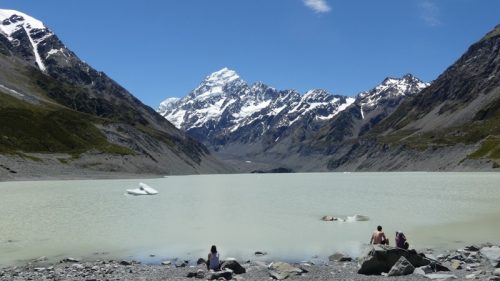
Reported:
(158, 49)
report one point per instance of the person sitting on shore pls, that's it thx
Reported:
(213, 259)
(401, 241)
(378, 237)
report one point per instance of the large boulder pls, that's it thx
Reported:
(381, 258)
(234, 266)
(281, 270)
(401, 267)
(492, 254)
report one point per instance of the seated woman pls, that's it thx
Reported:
(401, 240)
(213, 259)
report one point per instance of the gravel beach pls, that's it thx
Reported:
(471, 263)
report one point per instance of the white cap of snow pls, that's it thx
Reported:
(7, 27)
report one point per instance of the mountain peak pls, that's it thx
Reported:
(225, 75)
(12, 20)
(406, 79)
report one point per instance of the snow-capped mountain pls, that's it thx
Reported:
(391, 90)
(48, 79)
(259, 123)
(224, 108)
(26, 34)
(370, 108)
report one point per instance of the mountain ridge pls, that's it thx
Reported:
(237, 120)
(48, 77)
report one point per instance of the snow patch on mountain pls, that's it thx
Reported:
(389, 89)
(12, 21)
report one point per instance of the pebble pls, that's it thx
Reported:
(496, 272)
(70, 260)
(470, 276)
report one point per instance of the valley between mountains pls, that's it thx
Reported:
(450, 124)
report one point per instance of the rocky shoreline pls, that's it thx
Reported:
(470, 263)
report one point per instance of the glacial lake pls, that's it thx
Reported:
(276, 213)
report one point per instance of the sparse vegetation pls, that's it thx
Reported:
(488, 130)
(46, 128)
(490, 148)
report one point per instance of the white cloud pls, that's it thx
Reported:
(429, 12)
(319, 6)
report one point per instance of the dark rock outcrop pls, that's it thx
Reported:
(381, 258)
(234, 266)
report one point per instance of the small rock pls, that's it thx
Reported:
(401, 267)
(472, 266)
(494, 278)
(340, 257)
(125, 262)
(456, 257)
(456, 264)
(496, 272)
(492, 254)
(234, 266)
(441, 257)
(166, 262)
(95, 268)
(432, 257)
(281, 270)
(470, 276)
(260, 253)
(225, 275)
(201, 261)
(40, 259)
(327, 218)
(70, 260)
(38, 269)
(440, 277)
(180, 264)
(420, 270)
(200, 274)
(77, 266)
(472, 248)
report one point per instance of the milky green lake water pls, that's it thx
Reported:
(276, 213)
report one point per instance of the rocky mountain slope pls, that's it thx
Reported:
(453, 124)
(54, 103)
(258, 124)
